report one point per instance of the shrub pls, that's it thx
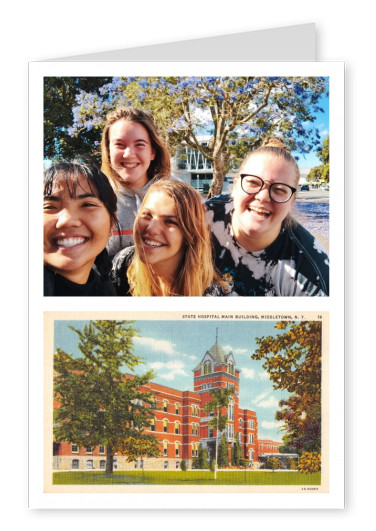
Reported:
(183, 465)
(309, 463)
(274, 463)
(291, 464)
(212, 465)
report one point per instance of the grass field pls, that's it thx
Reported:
(136, 477)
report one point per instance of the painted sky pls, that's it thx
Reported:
(173, 348)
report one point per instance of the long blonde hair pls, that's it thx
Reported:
(160, 167)
(196, 272)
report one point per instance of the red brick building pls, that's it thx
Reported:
(181, 424)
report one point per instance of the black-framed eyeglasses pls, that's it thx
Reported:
(278, 192)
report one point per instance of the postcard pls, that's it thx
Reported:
(210, 115)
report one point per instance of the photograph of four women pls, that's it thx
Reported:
(131, 228)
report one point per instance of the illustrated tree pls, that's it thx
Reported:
(293, 361)
(222, 459)
(218, 406)
(98, 403)
(236, 452)
(321, 172)
(235, 113)
(201, 461)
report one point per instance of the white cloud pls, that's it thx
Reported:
(157, 345)
(248, 373)
(260, 397)
(264, 375)
(171, 375)
(172, 368)
(271, 425)
(271, 402)
(228, 348)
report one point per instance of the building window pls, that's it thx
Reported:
(75, 464)
(152, 424)
(165, 406)
(240, 423)
(165, 443)
(176, 449)
(230, 368)
(89, 450)
(251, 424)
(74, 449)
(177, 465)
(165, 465)
(165, 425)
(230, 410)
(89, 464)
(176, 428)
(177, 406)
(102, 464)
(250, 455)
(207, 367)
(251, 438)
(136, 464)
(240, 438)
(101, 449)
(210, 433)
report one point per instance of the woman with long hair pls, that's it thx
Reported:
(259, 248)
(172, 255)
(134, 156)
(79, 213)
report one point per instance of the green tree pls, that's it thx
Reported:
(293, 361)
(222, 459)
(201, 461)
(98, 403)
(321, 173)
(236, 452)
(59, 97)
(218, 407)
(274, 463)
(234, 111)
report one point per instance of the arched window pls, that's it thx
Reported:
(177, 406)
(176, 449)
(165, 425)
(165, 446)
(165, 406)
(176, 428)
(230, 367)
(230, 410)
(207, 367)
(240, 423)
(152, 424)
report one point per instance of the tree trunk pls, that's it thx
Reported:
(109, 460)
(220, 167)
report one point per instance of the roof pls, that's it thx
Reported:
(217, 353)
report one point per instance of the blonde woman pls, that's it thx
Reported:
(259, 249)
(134, 156)
(172, 255)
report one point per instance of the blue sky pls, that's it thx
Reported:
(173, 348)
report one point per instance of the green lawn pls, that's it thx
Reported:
(133, 477)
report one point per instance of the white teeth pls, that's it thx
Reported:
(260, 211)
(153, 244)
(69, 242)
(130, 165)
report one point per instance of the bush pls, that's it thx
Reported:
(309, 463)
(291, 464)
(212, 465)
(243, 462)
(183, 465)
(274, 463)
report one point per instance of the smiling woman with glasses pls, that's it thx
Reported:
(259, 248)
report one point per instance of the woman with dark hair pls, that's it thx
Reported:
(79, 214)
(172, 255)
(259, 248)
(133, 157)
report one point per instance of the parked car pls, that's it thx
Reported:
(304, 188)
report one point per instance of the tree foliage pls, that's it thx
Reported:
(293, 361)
(321, 173)
(98, 403)
(309, 463)
(59, 98)
(201, 461)
(236, 452)
(222, 459)
(217, 405)
(235, 112)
